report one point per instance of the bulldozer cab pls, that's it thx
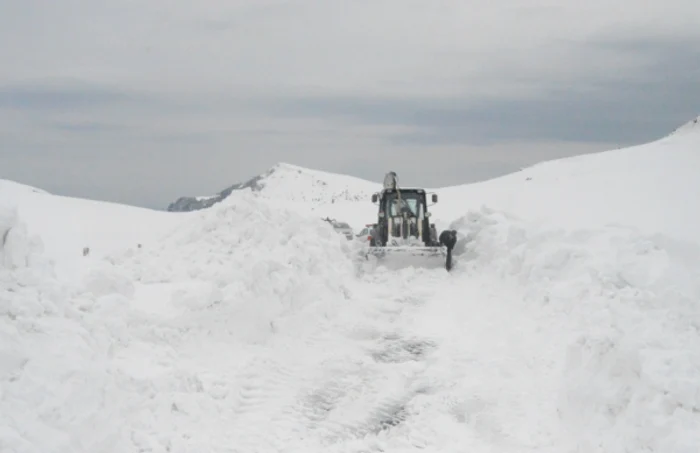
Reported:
(403, 214)
(409, 202)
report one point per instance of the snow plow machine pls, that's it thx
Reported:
(403, 235)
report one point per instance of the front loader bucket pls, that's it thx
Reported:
(402, 257)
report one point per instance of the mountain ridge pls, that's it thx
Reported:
(311, 186)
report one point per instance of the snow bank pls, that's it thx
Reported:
(248, 260)
(629, 310)
(97, 368)
(55, 376)
(202, 322)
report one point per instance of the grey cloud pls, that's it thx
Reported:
(45, 97)
(81, 127)
(57, 94)
(215, 24)
(248, 17)
(618, 108)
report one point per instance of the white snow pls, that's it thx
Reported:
(67, 225)
(651, 187)
(318, 193)
(569, 325)
(314, 186)
(616, 318)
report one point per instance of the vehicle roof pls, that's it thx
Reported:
(405, 189)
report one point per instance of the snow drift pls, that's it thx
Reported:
(246, 255)
(624, 311)
(55, 377)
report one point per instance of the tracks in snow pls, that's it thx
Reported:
(344, 385)
(339, 382)
(414, 361)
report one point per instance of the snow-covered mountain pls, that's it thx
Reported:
(652, 187)
(288, 182)
(569, 324)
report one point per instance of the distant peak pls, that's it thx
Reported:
(282, 167)
(286, 166)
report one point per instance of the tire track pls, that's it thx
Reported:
(367, 395)
(337, 376)
(333, 387)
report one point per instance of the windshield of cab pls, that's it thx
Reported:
(408, 203)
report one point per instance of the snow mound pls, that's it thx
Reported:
(54, 369)
(246, 258)
(629, 314)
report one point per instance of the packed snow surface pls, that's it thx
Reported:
(568, 325)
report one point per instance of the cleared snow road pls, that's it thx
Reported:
(407, 360)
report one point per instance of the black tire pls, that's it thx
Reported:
(427, 236)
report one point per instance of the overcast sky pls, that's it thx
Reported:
(144, 101)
